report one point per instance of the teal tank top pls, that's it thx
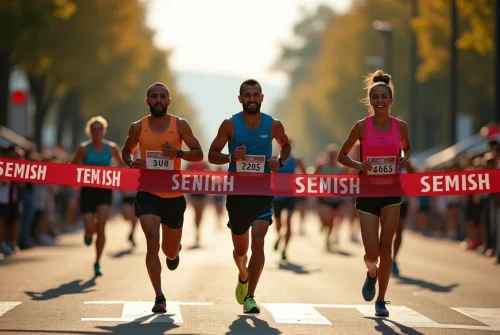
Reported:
(99, 158)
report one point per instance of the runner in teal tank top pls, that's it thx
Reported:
(95, 203)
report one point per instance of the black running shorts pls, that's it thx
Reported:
(279, 204)
(170, 210)
(373, 206)
(243, 210)
(92, 197)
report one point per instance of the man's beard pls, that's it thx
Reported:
(255, 110)
(158, 112)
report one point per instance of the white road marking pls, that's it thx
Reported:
(489, 316)
(140, 311)
(296, 314)
(400, 314)
(292, 313)
(6, 306)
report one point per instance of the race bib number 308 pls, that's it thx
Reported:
(251, 163)
(382, 165)
(156, 161)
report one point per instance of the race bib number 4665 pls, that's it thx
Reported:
(251, 163)
(382, 165)
(156, 161)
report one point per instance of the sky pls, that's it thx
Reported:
(229, 37)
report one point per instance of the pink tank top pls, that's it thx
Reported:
(381, 148)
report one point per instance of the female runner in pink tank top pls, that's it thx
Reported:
(381, 137)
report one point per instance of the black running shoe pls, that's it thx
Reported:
(172, 264)
(160, 305)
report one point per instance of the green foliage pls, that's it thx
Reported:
(102, 49)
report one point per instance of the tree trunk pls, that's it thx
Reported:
(5, 69)
(67, 108)
(43, 100)
(76, 124)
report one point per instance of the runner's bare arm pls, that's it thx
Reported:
(195, 153)
(317, 168)
(282, 139)
(131, 143)
(115, 152)
(405, 139)
(355, 135)
(215, 156)
(301, 166)
(79, 154)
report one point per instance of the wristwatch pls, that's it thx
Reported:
(180, 153)
(281, 162)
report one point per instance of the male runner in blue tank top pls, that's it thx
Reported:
(250, 134)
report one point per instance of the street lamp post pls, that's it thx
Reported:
(413, 74)
(385, 28)
(453, 73)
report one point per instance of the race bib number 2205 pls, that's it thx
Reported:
(251, 163)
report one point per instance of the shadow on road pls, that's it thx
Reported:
(13, 260)
(131, 328)
(425, 284)
(247, 324)
(384, 328)
(136, 327)
(74, 287)
(122, 253)
(298, 269)
(339, 252)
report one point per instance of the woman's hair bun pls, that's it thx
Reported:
(380, 76)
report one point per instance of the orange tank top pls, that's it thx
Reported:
(151, 149)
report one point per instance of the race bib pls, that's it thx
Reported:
(251, 163)
(382, 165)
(156, 161)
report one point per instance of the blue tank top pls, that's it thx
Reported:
(99, 158)
(257, 141)
(289, 167)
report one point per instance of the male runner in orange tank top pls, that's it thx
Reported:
(159, 136)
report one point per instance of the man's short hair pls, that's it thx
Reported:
(251, 82)
(157, 84)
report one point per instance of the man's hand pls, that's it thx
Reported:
(169, 151)
(138, 164)
(239, 153)
(274, 164)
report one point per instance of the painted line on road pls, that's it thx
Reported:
(296, 314)
(140, 311)
(6, 306)
(306, 314)
(291, 313)
(149, 302)
(488, 316)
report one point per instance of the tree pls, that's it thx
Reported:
(20, 21)
(477, 30)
